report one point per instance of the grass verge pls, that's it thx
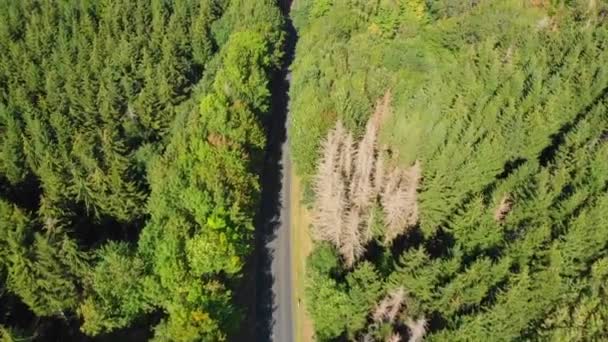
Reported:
(301, 246)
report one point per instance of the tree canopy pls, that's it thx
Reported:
(502, 106)
(131, 137)
(454, 155)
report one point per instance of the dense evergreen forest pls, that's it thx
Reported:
(455, 155)
(131, 140)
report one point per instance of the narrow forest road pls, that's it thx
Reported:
(282, 316)
(274, 295)
(283, 327)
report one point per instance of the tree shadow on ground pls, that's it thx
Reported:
(256, 293)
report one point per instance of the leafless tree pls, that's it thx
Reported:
(367, 225)
(417, 329)
(380, 310)
(363, 183)
(362, 189)
(503, 209)
(379, 172)
(351, 247)
(351, 179)
(330, 189)
(396, 302)
(347, 154)
(399, 200)
(389, 306)
(395, 337)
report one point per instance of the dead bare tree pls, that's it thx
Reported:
(417, 329)
(347, 156)
(396, 302)
(362, 187)
(351, 179)
(399, 200)
(366, 226)
(379, 171)
(394, 338)
(503, 209)
(352, 244)
(330, 189)
(389, 306)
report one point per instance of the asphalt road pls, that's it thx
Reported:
(274, 297)
(282, 315)
(282, 328)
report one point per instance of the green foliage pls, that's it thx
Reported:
(364, 288)
(328, 305)
(11, 161)
(324, 259)
(504, 105)
(116, 295)
(12, 335)
(337, 308)
(79, 105)
(205, 191)
(41, 268)
(130, 146)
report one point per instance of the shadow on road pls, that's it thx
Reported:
(269, 217)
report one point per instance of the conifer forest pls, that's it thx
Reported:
(453, 156)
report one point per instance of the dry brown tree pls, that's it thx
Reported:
(399, 200)
(336, 220)
(352, 245)
(347, 154)
(503, 209)
(394, 338)
(330, 189)
(417, 329)
(363, 187)
(394, 304)
(389, 306)
(380, 171)
(351, 179)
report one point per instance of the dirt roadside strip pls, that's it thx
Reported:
(301, 246)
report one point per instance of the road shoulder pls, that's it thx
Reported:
(301, 246)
